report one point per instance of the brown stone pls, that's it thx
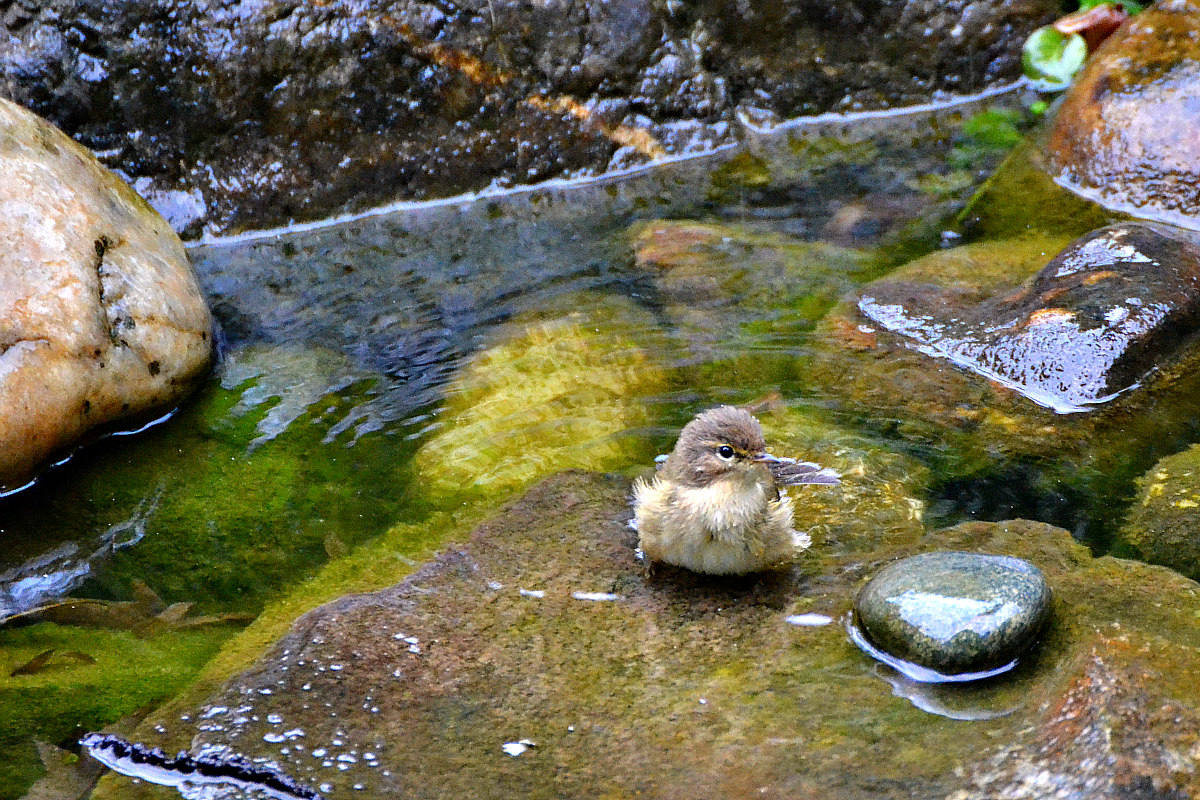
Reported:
(1126, 132)
(101, 318)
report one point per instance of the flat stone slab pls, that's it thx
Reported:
(537, 661)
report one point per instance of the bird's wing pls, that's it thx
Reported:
(789, 472)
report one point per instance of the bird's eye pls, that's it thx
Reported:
(725, 452)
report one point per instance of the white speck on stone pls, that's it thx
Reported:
(495, 586)
(703, 701)
(335, 667)
(215, 711)
(274, 738)
(274, 719)
(319, 752)
(294, 733)
(599, 597)
(535, 593)
(809, 620)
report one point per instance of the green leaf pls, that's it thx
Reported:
(1051, 59)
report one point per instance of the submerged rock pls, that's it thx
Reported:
(955, 613)
(1104, 312)
(557, 393)
(1125, 133)
(101, 318)
(542, 628)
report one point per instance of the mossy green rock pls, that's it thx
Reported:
(543, 627)
(1163, 525)
(1022, 199)
(954, 612)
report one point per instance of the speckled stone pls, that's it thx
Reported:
(102, 321)
(954, 612)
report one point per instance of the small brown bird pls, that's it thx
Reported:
(715, 506)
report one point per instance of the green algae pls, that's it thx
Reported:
(228, 525)
(1021, 199)
(743, 171)
(71, 696)
(553, 393)
(817, 153)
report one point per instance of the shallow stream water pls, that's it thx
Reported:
(340, 347)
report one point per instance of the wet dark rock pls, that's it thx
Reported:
(1001, 455)
(1163, 525)
(1104, 312)
(250, 116)
(955, 612)
(543, 628)
(1125, 133)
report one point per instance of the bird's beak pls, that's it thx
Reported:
(766, 458)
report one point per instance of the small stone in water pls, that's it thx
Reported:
(954, 612)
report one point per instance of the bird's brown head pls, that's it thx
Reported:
(718, 443)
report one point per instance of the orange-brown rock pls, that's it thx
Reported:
(101, 318)
(1126, 133)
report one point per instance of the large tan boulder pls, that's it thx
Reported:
(101, 318)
